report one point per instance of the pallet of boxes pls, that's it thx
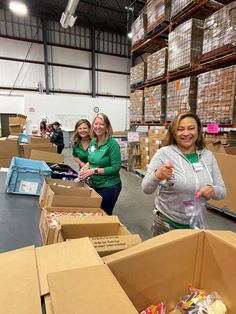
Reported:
(72, 210)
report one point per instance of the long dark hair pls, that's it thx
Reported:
(77, 137)
(171, 133)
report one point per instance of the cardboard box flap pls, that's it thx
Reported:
(9, 148)
(219, 267)
(113, 244)
(38, 139)
(63, 190)
(73, 227)
(47, 147)
(48, 304)
(88, 290)
(46, 156)
(19, 282)
(63, 256)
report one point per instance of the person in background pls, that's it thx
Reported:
(43, 127)
(57, 137)
(182, 170)
(49, 130)
(104, 162)
(81, 142)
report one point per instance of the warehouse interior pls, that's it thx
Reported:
(127, 69)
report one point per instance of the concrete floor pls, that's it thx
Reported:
(134, 208)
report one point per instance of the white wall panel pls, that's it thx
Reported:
(71, 56)
(112, 63)
(72, 79)
(18, 49)
(69, 109)
(112, 84)
(12, 104)
(28, 78)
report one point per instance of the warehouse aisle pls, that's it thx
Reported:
(134, 208)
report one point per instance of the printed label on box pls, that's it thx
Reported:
(28, 187)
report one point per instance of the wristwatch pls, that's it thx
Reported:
(96, 171)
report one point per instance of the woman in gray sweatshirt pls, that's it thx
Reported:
(183, 170)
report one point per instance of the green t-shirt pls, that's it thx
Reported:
(192, 158)
(105, 156)
(80, 152)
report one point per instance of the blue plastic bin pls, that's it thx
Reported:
(24, 138)
(25, 176)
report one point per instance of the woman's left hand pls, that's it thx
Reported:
(206, 191)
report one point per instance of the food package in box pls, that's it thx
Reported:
(219, 29)
(158, 11)
(178, 6)
(136, 106)
(181, 96)
(157, 64)
(138, 73)
(139, 27)
(185, 45)
(216, 98)
(154, 103)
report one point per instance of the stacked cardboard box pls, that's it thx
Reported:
(45, 147)
(185, 45)
(178, 6)
(9, 149)
(157, 64)
(139, 27)
(134, 161)
(136, 106)
(154, 103)
(181, 96)
(16, 124)
(138, 73)
(216, 96)
(158, 11)
(219, 30)
(156, 139)
(144, 152)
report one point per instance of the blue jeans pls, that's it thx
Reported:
(109, 197)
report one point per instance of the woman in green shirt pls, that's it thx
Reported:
(81, 142)
(104, 163)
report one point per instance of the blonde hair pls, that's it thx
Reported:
(104, 118)
(171, 134)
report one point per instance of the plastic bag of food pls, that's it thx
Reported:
(188, 304)
(194, 210)
(154, 309)
(211, 304)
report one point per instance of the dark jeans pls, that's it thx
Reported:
(60, 148)
(109, 197)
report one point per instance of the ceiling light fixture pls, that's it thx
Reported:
(68, 17)
(18, 7)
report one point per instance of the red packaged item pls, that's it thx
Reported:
(155, 309)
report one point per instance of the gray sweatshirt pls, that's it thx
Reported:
(188, 181)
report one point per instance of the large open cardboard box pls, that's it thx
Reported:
(69, 195)
(156, 270)
(80, 188)
(48, 226)
(9, 148)
(39, 140)
(46, 147)
(107, 234)
(46, 156)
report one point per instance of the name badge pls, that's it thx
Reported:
(197, 166)
(92, 149)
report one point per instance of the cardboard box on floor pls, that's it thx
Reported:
(47, 156)
(226, 163)
(107, 234)
(47, 147)
(48, 228)
(55, 199)
(157, 270)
